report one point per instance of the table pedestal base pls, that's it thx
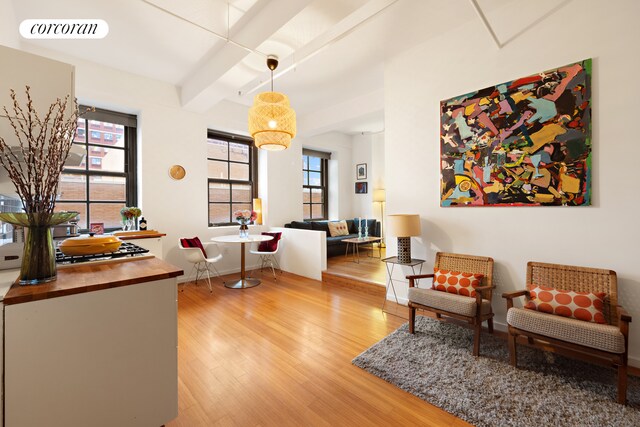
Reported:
(242, 283)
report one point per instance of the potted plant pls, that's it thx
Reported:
(130, 215)
(244, 218)
(34, 162)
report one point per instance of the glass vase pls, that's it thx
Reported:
(129, 224)
(244, 231)
(39, 253)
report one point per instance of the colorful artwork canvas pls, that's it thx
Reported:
(526, 142)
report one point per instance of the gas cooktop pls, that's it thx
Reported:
(125, 250)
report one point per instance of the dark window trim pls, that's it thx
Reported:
(130, 160)
(253, 173)
(316, 153)
(324, 186)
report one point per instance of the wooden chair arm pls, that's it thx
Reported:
(412, 278)
(479, 293)
(623, 316)
(419, 276)
(509, 296)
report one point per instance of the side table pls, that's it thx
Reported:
(355, 243)
(391, 262)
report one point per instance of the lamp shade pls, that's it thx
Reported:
(379, 195)
(403, 225)
(272, 121)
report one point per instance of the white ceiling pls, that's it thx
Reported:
(331, 51)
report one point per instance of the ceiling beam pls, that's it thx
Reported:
(339, 31)
(334, 117)
(486, 23)
(199, 91)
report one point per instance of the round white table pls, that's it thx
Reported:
(243, 283)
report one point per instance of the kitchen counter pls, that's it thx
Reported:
(7, 279)
(96, 347)
(140, 234)
(81, 278)
(148, 239)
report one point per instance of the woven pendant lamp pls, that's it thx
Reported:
(272, 121)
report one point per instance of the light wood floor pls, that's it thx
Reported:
(369, 269)
(280, 355)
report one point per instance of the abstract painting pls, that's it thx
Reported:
(526, 142)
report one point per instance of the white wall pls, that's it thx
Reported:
(362, 153)
(368, 148)
(378, 175)
(9, 35)
(604, 235)
(377, 160)
(281, 185)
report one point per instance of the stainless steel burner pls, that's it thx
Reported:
(125, 250)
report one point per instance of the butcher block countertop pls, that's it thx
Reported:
(76, 279)
(139, 234)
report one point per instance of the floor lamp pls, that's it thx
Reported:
(379, 196)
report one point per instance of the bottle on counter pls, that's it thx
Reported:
(143, 224)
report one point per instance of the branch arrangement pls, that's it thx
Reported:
(35, 164)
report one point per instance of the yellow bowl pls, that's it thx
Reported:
(90, 245)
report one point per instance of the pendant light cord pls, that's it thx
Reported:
(271, 80)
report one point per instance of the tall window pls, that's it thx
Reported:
(232, 175)
(99, 178)
(314, 184)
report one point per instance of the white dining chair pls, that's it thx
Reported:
(202, 264)
(268, 258)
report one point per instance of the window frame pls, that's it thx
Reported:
(130, 172)
(324, 185)
(253, 173)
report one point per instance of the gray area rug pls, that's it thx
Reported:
(436, 365)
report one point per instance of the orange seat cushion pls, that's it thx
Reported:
(585, 306)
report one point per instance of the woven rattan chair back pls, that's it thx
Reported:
(468, 264)
(578, 279)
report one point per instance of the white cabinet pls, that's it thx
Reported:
(101, 358)
(154, 244)
(48, 80)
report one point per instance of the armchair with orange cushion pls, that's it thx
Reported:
(462, 288)
(574, 308)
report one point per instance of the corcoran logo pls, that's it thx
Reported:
(64, 29)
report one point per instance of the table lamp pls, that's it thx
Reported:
(379, 196)
(403, 226)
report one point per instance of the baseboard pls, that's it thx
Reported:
(348, 281)
(183, 278)
(401, 300)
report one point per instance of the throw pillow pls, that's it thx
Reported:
(585, 306)
(456, 282)
(338, 228)
(270, 245)
(193, 243)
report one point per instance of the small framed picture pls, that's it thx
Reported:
(361, 171)
(97, 227)
(361, 188)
